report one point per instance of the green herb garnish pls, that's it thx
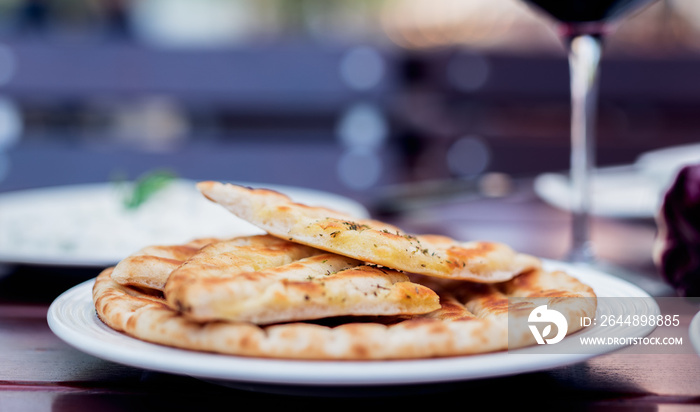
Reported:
(146, 186)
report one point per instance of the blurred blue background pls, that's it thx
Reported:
(350, 96)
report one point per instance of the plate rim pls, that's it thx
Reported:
(544, 181)
(319, 373)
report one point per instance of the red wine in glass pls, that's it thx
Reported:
(572, 11)
(582, 25)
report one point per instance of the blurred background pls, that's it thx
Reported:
(350, 96)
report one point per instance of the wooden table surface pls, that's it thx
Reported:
(39, 372)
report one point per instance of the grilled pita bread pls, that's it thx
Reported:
(151, 266)
(472, 319)
(263, 279)
(369, 240)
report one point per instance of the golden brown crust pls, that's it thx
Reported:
(151, 266)
(470, 321)
(306, 291)
(231, 258)
(274, 280)
(369, 240)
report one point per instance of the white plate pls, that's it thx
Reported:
(85, 225)
(694, 332)
(627, 191)
(72, 318)
(662, 165)
(621, 192)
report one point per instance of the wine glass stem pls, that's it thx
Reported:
(584, 61)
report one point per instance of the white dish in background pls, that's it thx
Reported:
(72, 318)
(621, 192)
(86, 225)
(627, 191)
(662, 165)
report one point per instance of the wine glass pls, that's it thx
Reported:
(583, 25)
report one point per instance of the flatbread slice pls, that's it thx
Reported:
(280, 281)
(150, 266)
(369, 240)
(473, 319)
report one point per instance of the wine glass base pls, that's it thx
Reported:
(582, 254)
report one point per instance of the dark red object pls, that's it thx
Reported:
(677, 253)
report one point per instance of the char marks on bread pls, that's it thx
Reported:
(369, 240)
(323, 285)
